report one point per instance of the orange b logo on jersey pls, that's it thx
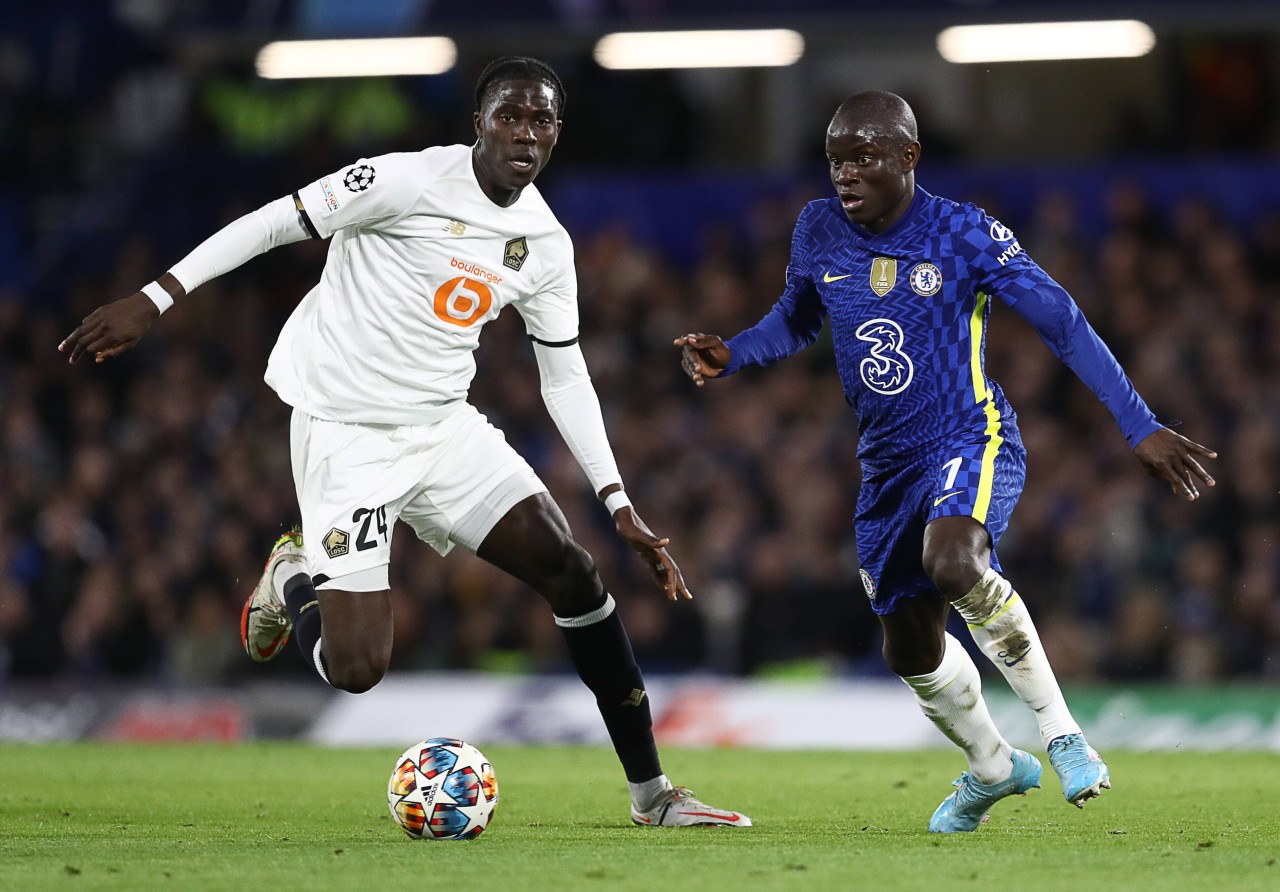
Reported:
(462, 301)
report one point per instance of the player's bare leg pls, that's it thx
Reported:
(355, 627)
(354, 647)
(533, 543)
(957, 557)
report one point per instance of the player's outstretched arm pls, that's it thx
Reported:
(702, 356)
(652, 549)
(1171, 457)
(115, 327)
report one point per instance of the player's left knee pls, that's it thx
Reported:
(357, 669)
(911, 658)
(356, 678)
(571, 584)
(954, 570)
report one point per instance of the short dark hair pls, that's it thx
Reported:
(519, 68)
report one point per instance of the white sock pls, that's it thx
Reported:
(318, 658)
(644, 795)
(951, 697)
(999, 621)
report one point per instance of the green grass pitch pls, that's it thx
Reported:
(275, 816)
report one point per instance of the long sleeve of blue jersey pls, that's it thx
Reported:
(792, 324)
(1002, 268)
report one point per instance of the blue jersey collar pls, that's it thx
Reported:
(919, 200)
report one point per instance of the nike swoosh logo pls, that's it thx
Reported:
(1017, 660)
(827, 277)
(703, 814)
(938, 501)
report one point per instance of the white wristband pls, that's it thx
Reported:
(615, 500)
(158, 295)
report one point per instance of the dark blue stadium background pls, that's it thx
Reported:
(137, 498)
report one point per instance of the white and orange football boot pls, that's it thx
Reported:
(264, 624)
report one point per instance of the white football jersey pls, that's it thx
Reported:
(420, 260)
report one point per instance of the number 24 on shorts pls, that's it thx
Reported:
(366, 518)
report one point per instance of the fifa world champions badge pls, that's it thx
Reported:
(884, 274)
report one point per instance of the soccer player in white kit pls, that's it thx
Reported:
(376, 362)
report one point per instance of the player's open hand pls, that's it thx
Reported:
(702, 356)
(1173, 458)
(662, 568)
(111, 329)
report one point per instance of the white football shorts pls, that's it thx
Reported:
(450, 480)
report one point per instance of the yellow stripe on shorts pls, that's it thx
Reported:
(983, 396)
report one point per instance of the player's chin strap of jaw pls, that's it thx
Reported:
(575, 409)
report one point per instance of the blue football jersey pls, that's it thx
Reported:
(908, 310)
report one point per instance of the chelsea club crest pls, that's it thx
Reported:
(925, 279)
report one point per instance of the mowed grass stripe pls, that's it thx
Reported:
(291, 816)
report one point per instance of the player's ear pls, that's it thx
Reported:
(476, 121)
(910, 156)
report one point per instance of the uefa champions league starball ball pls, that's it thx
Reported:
(442, 788)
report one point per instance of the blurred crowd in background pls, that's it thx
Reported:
(138, 498)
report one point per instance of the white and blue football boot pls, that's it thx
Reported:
(1083, 773)
(967, 807)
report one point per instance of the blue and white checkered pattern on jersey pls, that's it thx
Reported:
(908, 310)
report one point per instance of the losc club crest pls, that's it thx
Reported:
(514, 254)
(335, 543)
(884, 275)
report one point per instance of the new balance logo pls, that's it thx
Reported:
(636, 698)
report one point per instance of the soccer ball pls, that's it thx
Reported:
(442, 788)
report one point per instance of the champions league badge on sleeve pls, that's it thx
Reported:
(359, 178)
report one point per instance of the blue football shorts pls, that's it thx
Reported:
(980, 479)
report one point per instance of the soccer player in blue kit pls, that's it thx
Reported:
(906, 279)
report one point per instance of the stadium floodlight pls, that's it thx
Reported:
(699, 49)
(356, 58)
(1037, 41)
